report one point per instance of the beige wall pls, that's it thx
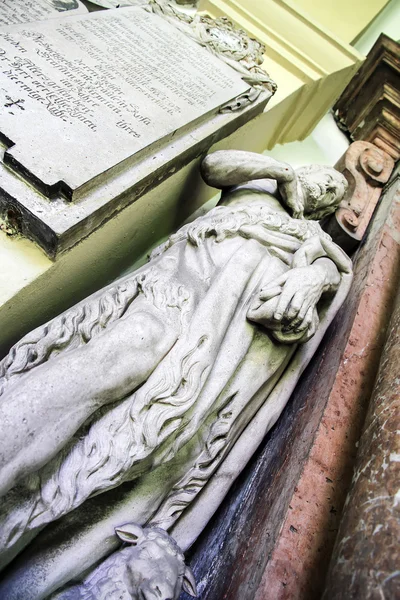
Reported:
(387, 22)
(345, 18)
(327, 143)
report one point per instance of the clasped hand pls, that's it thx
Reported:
(290, 300)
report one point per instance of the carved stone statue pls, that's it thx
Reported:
(151, 383)
(151, 567)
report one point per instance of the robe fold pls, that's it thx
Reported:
(218, 377)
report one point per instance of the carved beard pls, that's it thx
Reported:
(314, 192)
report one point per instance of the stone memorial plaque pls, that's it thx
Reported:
(86, 103)
(24, 11)
(103, 82)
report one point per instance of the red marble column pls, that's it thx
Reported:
(299, 562)
(366, 559)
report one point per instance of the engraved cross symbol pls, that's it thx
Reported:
(12, 102)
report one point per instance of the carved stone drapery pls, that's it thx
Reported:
(166, 380)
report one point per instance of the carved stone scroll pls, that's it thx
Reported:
(367, 169)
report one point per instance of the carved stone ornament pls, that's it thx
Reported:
(150, 567)
(143, 403)
(232, 45)
(367, 169)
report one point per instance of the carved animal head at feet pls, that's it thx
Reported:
(155, 565)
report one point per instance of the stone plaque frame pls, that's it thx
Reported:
(58, 217)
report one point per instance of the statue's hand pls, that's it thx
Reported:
(292, 195)
(296, 206)
(299, 291)
(290, 300)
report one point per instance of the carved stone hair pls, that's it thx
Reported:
(314, 190)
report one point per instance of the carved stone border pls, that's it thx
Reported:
(223, 39)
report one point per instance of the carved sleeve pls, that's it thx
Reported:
(226, 168)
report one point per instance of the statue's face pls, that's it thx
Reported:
(324, 189)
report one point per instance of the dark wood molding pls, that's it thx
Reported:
(369, 108)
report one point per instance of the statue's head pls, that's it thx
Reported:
(323, 189)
